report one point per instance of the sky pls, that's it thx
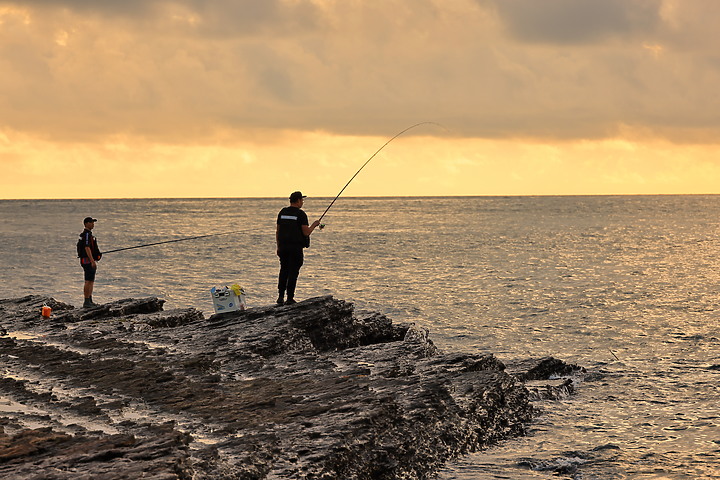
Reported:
(258, 98)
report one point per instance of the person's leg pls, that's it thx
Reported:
(89, 285)
(283, 276)
(294, 264)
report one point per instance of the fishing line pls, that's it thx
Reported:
(172, 241)
(368, 161)
(321, 216)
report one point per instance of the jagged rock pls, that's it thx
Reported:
(27, 309)
(46, 454)
(547, 378)
(543, 369)
(307, 391)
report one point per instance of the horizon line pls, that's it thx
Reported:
(386, 196)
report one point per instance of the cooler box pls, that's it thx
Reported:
(228, 299)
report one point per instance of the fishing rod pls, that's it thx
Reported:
(172, 241)
(368, 161)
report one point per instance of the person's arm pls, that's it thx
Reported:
(277, 239)
(87, 240)
(307, 230)
(89, 253)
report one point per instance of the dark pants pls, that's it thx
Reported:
(291, 259)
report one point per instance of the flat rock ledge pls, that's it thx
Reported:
(309, 391)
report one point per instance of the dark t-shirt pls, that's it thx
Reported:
(88, 240)
(290, 221)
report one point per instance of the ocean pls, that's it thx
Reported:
(625, 286)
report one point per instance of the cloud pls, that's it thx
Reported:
(106, 7)
(578, 21)
(184, 70)
(217, 18)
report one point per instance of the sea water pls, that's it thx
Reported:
(627, 287)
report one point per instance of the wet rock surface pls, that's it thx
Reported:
(307, 391)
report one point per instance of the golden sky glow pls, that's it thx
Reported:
(248, 98)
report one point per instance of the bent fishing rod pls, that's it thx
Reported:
(368, 161)
(173, 241)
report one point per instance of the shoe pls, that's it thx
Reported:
(290, 301)
(89, 304)
(279, 301)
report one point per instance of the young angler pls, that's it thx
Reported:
(89, 254)
(292, 234)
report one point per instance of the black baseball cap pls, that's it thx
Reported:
(295, 196)
(89, 219)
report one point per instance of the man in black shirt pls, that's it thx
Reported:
(89, 254)
(292, 234)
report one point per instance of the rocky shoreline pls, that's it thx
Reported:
(308, 391)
